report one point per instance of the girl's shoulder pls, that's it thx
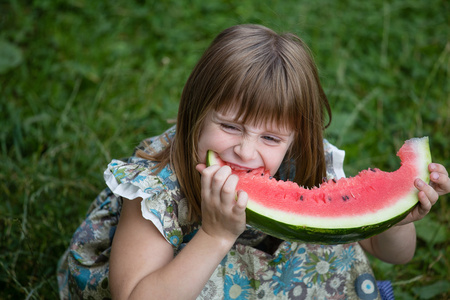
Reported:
(162, 202)
(135, 176)
(158, 189)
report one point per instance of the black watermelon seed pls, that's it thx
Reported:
(373, 170)
(248, 171)
(334, 180)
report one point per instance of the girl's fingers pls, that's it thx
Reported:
(222, 213)
(427, 192)
(439, 178)
(427, 198)
(241, 202)
(228, 192)
(200, 167)
(219, 181)
(425, 204)
(207, 175)
(218, 184)
(433, 167)
(206, 181)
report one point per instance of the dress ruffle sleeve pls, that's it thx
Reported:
(334, 159)
(160, 194)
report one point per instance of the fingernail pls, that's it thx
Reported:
(432, 166)
(419, 183)
(435, 176)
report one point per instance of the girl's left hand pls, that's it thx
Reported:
(429, 193)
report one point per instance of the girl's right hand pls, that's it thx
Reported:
(223, 209)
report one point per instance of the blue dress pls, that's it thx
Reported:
(293, 271)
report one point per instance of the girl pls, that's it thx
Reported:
(255, 99)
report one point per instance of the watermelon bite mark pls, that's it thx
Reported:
(339, 211)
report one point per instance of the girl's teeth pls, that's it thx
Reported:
(236, 168)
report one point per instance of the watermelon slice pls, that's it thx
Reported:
(339, 211)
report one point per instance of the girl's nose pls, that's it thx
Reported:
(246, 149)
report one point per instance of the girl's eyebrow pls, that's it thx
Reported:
(220, 118)
(229, 119)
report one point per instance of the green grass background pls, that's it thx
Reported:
(83, 82)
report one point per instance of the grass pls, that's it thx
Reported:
(83, 82)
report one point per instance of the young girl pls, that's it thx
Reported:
(255, 99)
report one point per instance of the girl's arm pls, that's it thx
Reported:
(397, 245)
(142, 265)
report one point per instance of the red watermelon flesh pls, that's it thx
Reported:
(339, 211)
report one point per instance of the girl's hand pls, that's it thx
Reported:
(439, 179)
(429, 194)
(397, 244)
(223, 210)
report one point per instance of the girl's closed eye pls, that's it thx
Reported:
(271, 139)
(230, 128)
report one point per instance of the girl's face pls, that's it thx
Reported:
(244, 146)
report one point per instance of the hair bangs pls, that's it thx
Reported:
(261, 95)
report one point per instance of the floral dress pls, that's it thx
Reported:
(293, 271)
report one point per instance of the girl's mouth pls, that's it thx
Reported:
(235, 167)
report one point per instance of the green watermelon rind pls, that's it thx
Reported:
(211, 158)
(274, 223)
(332, 236)
(339, 222)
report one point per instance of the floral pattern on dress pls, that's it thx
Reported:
(83, 269)
(294, 271)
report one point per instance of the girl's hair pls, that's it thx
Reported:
(265, 77)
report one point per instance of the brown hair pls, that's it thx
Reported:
(269, 77)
